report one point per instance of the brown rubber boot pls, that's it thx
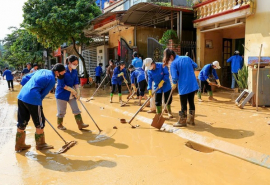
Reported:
(60, 124)
(79, 121)
(20, 142)
(191, 116)
(182, 120)
(40, 142)
(212, 99)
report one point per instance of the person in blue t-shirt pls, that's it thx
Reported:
(142, 84)
(67, 91)
(118, 73)
(30, 98)
(182, 72)
(9, 78)
(137, 63)
(26, 70)
(159, 74)
(208, 73)
(236, 64)
(98, 70)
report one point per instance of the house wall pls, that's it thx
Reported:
(258, 30)
(126, 34)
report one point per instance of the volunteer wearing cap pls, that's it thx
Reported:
(159, 74)
(236, 64)
(146, 66)
(208, 72)
(117, 80)
(35, 68)
(140, 76)
(182, 72)
(36, 87)
(26, 70)
(67, 91)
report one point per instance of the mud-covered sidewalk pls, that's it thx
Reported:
(137, 156)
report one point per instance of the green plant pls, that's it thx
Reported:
(168, 35)
(242, 78)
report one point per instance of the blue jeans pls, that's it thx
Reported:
(233, 80)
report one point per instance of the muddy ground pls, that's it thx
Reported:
(135, 156)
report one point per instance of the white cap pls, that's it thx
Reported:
(236, 52)
(147, 63)
(216, 63)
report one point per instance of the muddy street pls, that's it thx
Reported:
(130, 156)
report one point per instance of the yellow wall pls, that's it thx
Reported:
(258, 30)
(126, 34)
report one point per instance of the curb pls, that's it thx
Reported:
(246, 154)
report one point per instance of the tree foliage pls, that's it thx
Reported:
(21, 47)
(57, 21)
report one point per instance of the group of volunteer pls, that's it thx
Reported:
(159, 78)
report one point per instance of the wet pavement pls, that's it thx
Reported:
(134, 156)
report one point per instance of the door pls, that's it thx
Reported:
(226, 76)
(154, 49)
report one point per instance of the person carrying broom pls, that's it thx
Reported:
(118, 77)
(30, 98)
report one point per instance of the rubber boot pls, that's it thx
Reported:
(20, 142)
(211, 96)
(182, 120)
(169, 111)
(159, 110)
(111, 97)
(199, 94)
(79, 121)
(40, 142)
(60, 124)
(120, 97)
(191, 117)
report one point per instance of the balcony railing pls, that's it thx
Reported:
(202, 9)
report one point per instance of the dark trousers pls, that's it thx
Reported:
(137, 86)
(26, 110)
(204, 84)
(10, 83)
(142, 86)
(114, 88)
(187, 98)
(166, 96)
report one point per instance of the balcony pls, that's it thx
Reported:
(205, 9)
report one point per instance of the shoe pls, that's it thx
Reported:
(182, 120)
(120, 97)
(169, 111)
(200, 100)
(80, 123)
(40, 142)
(191, 117)
(20, 142)
(151, 111)
(212, 99)
(60, 124)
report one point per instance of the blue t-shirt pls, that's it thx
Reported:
(137, 74)
(70, 79)
(137, 62)
(25, 71)
(98, 70)
(182, 71)
(8, 75)
(38, 86)
(206, 71)
(236, 63)
(115, 78)
(160, 73)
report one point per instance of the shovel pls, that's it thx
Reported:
(212, 84)
(129, 122)
(123, 104)
(92, 97)
(158, 120)
(67, 145)
(128, 88)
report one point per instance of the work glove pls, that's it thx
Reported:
(126, 82)
(161, 84)
(134, 88)
(120, 74)
(209, 81)
(174, 86)
(73, 92)
(218, 82)
(150, 93)
(78, 90)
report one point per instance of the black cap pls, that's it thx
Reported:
(135, 54)
(34, 65)
(121, 63)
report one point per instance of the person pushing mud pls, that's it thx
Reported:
(34, 90)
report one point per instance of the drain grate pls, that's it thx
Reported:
(198, 147)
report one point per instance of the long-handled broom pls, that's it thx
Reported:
(92, 97)
(67, 145)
